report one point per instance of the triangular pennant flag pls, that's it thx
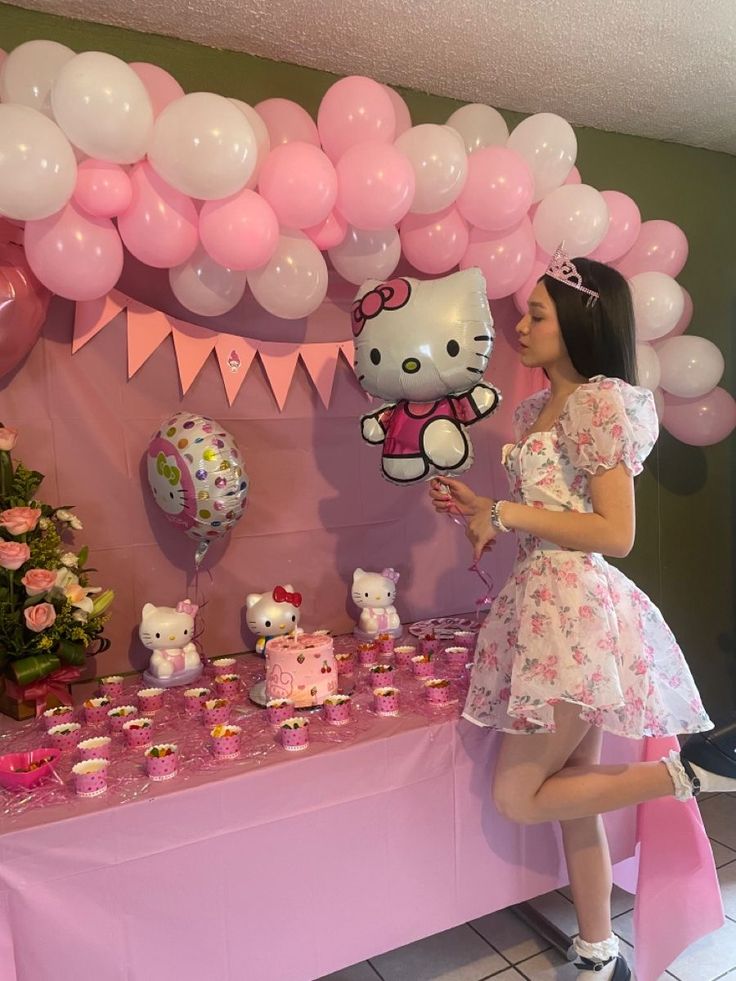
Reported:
(320, 361)
(193, 345)
(91, 316)
(235, 356)
(279, 361)
(147, 328)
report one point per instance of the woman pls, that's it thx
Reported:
(571, 648)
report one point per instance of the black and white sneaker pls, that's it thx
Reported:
(621, 970)
(709, 759)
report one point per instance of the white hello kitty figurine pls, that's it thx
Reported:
(374, 594)
(424, 347)
(273, 614)
(168, 632)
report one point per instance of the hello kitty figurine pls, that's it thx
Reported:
(273, 614)
(424, 346)
(168, 632)
(374, 594)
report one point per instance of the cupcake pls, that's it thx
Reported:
(150, 699)
(386, 700)
(380, 675)
(457, 657)
(215, 711)
(226, 741)
(112, 686)
(96, 709)
(385, 644)
(227, 685)
(294, 734)
(345, 662)
(223, 665)
(278, 710)
(138, 732)
(337, 709)
(162, 761)
(97, 747)
(438, 691)
(90, 777)
(194, 699)
(403, 654)
(119, 715)
(65, 736)
(429, 644)
(367, 654)
(422, 666)
(55, 716)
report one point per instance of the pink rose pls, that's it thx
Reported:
(39, 617)
(7, 438)
(38, 581)
(19, 520)
(13, 554)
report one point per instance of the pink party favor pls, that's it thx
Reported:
(138, 732)
(385, 644)
(367, 654)
(223, 665)
(465, 638)
(65, 736)
(150, 700)
(227, 685)
(55, 716)
(278, 710)
(380, 675)
(403, 655)
(96, 709)
(162, 761)
(90, 777)
(95, 748)
(194, 699)
(226, 741)
(112, 686)
(422, 666)
(438, 691)
(295, 734)
(428, 644)
(457, 657)
(386, 701)
(215, 712)
(119, 715)
(337, 709)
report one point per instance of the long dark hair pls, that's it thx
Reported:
(599, 336)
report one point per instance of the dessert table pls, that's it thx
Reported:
(275, 866)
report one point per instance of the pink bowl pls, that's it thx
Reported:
(12, 766)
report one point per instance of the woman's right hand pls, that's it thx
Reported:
(450, 494)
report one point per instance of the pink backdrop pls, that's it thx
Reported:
(318, 505)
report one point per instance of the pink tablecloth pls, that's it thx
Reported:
(283, 872)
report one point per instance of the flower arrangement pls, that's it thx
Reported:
(49, 612)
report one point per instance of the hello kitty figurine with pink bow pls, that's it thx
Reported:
(374, 594)
(169, 633)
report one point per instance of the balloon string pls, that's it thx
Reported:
(199, 620)
(486, 598)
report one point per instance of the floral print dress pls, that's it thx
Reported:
(567, 626)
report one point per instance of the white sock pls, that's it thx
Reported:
(600, 952)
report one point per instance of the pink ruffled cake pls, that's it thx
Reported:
(302, 669)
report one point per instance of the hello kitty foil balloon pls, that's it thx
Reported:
(168, 632)
(273, 614)
(424, 346)
(197, 477)
(374, 594)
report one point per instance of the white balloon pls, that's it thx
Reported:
(203, 146)
(479, 126)
(366, 254)
(263, 140)
(103, 107)
(440, 166)
(647, 366)
(659, 403)
(38, 171)
(294, 282)
(658, 304)
(576, 215)
(691, 366)
(206, 288)
(548, 144)
(30, 70)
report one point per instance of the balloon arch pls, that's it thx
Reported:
(97, 155)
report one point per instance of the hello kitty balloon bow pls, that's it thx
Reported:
(197, 477)
(424, 346)
(168, 632)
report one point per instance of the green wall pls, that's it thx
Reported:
(684, 552)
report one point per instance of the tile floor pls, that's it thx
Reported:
(501, 947)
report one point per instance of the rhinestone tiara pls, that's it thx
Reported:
(562, 268)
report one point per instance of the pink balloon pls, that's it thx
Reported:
(160, 226)
(355, 110)
(573, 177)
(434, 243)
(103, 189)
(401, 111)
(162, 87)
(701, 421)
(328, 233)
(299, 182)
(684, 322)
(286, 122)
(505, 258)
(24, 303)
(375, 185)
(74, 255)
(661, 246)
(624, 224)
(239, 232)
(499, 189)
(521, 296)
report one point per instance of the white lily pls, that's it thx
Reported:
(79, 596)
(70, 519)
(65, 577)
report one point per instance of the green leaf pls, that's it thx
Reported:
(83, 556)
(71, 653)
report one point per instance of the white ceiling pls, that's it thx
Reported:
(659, 68)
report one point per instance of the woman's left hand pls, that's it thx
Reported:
(480, 532)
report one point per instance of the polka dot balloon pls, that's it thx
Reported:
(197, 477)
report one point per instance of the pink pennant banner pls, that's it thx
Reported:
(193, 345)
(147, 329)
(320, 360)
(279, 362)
(90, 317)
(235, 356)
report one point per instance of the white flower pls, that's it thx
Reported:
(65, 577)
(79, 615)
(69, 519)
(43, 524)
(79, 596)
(70, 560)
